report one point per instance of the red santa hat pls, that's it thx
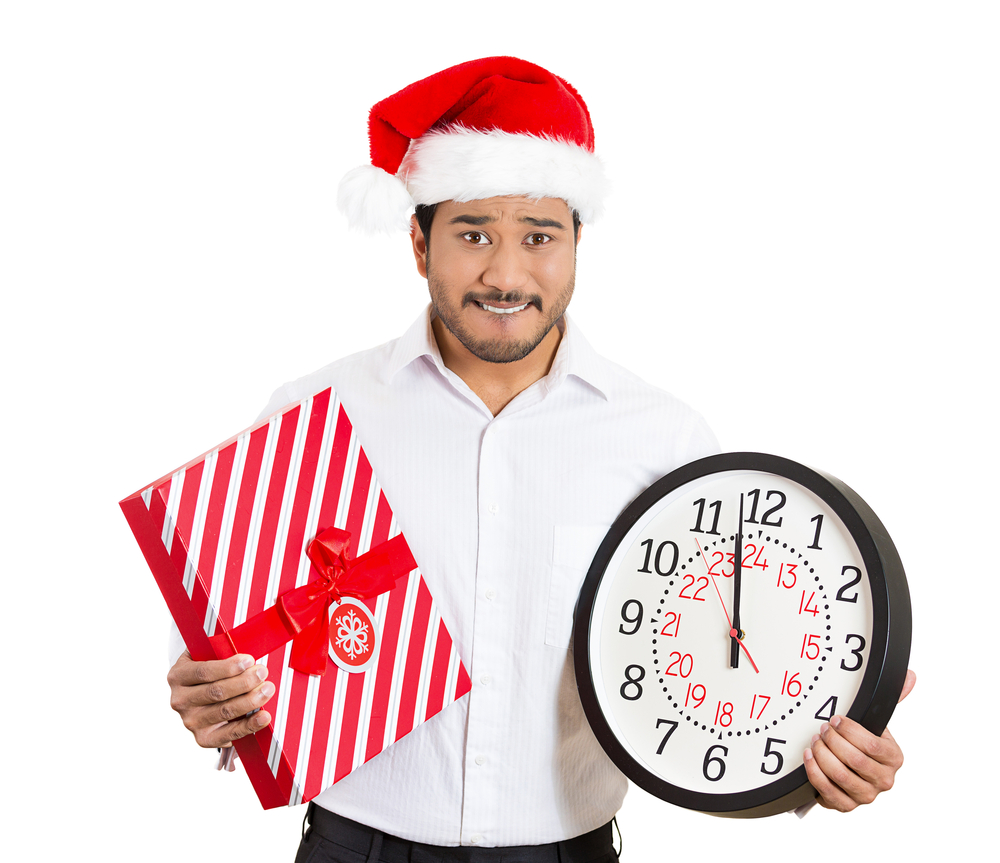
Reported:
(496, 126)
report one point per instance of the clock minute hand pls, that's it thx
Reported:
(736, 634)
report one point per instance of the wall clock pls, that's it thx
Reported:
(733, 607)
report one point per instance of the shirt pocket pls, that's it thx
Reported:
(573, 550)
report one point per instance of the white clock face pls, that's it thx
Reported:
(660, 643)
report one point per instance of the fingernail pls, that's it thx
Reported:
(815, 738)
(245, 662)
(261, 672)
(824, 728)
(266, 691)
(807, 755)
(835, 722)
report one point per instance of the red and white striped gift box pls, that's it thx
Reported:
(226, 535)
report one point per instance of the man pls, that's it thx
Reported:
(507, 448)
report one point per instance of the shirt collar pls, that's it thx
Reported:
(575, 357)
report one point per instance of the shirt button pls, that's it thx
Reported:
(485, 680)
(491, 594)
(480, 760)
(475, 839)
(494, 508)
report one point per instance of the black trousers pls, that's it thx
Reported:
(328, 838)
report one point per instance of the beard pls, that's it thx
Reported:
(498, 350)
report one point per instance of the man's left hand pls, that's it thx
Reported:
(848, 765)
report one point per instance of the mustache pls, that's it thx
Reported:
(515, 298)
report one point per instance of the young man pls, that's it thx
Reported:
(507, 447)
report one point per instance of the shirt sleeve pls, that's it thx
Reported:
(279, 399)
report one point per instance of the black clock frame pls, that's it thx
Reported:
(889, 651)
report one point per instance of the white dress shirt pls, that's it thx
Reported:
(504, 515)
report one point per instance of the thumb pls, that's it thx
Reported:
(908, 684)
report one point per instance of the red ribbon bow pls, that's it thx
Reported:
(302, 615)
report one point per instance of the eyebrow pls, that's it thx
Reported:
(479, 221)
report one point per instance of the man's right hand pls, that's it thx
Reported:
(213, 698)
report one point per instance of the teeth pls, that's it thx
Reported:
(509, 311)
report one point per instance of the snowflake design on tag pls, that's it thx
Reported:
(352, 634)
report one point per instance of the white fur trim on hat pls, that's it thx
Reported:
(460, 164)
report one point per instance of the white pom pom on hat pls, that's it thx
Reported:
(374, 201)
(496, 126)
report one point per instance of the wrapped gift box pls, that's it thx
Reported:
(226, 538)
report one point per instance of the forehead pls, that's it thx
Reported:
(507, 209)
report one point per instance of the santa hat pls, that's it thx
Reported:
(496, 126)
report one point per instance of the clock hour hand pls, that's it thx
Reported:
(735, 634)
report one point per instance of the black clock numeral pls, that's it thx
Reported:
(857, 653)
(830, 707)
(637, 620)
(768, 752)
(717, 506)
(714, 759)
(819, 526)
(755, 494)
(657, 560)
(673, 727)
(631, 681)
(857, 577)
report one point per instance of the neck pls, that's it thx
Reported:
(497, 384)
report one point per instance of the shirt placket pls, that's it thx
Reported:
(489, 701)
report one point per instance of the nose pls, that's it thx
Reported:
(506, 268)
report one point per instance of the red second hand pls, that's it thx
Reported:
(732, 632)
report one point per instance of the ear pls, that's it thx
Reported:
(419, 246)
(579, 234)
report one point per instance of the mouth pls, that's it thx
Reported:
(502, 310)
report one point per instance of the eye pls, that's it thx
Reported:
(477, 238)
(537, 239)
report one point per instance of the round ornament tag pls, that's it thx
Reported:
(354, 638)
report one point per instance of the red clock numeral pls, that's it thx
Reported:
(696, 692)
(671, 620)
(765, 699)
(784, 571)
(805, 608)
(810, 647)
(732, 561)
(679, 664)
(689, 585)
(755, 553)
(791, 685)
(724, 714)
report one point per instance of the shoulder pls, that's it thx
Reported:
(634, 407)
(365, 371)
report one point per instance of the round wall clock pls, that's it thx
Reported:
(733, 607)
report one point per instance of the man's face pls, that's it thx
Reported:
(501, 273)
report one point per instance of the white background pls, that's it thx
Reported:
(802, 243)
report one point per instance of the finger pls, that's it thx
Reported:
(845, 767)
(222, 736)
(860, 776)
(231, 710)
(830, 795)
(908, 684)
(866, 753)
(188, 700)
(187, 672)
(225, 690)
